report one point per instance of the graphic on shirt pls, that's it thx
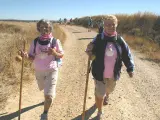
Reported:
(43, 52)
(109, 51)
(43, 49)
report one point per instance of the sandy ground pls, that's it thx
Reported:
(135, 98)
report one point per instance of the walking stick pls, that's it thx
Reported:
(20, 96)
(86, 87)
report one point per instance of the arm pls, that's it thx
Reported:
(57, 51)
(30, 55)
(90, 47)
(127, 58)
(52, 51)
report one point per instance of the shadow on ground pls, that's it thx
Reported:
(16, 114)
(85, 38)
(88, 113)
(76, 32)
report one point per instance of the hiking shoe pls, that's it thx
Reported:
(105, 102)
(44, 116)
(99, 116)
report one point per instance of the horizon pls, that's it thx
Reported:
(55, 9)
(74, 18)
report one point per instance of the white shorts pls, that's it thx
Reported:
(47, 81)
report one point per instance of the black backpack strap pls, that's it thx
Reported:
(120, 43)
(54, 40)
(35, 42)
(98, 37)
(119, 40)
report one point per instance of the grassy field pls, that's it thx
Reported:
(150, 48)
(12, 35)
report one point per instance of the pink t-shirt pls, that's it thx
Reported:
(43, 61)
(109, 60)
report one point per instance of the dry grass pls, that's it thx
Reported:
(12, 35)
(59, 33)
(149, 48)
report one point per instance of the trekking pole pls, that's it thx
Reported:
(86, 88)
(20, 95)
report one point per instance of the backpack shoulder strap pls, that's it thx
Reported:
(35, 42)
(54, 40)
(98, 37)
(119, 40)
(96, 42)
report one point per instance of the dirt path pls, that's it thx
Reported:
(133, 99)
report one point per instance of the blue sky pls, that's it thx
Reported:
(55, 9)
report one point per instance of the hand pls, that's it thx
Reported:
(130, 74)
(52, 51)
(23, 53)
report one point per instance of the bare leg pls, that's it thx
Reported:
(110, 88)
(99, 103)
(105, 102)
(47, 103)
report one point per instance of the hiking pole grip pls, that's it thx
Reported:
(20, 94)
(86, 88)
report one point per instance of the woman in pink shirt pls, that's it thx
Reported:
(44, 52)
(108, 51)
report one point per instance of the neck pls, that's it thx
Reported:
(110, 34)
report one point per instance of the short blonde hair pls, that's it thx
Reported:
(111, 17)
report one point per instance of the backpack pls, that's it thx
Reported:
(54, 40)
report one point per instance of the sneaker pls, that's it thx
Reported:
(99, 116)
(105, 102)
(44, 117)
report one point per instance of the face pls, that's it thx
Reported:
(110, 26)
(44, 28)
